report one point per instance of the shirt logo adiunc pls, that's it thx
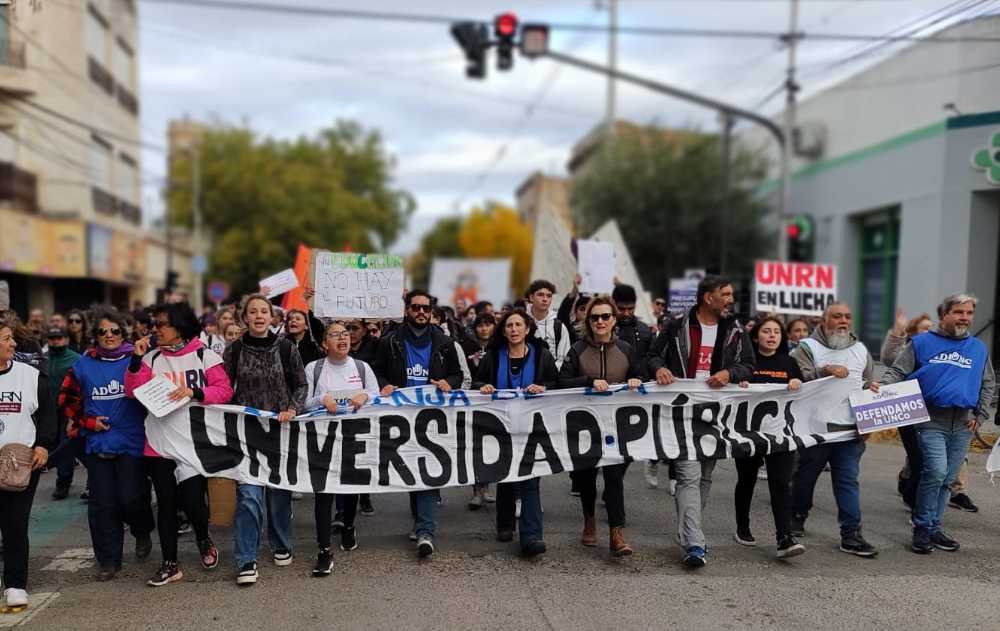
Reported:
(114, 390)
(417, 372)
(953, 358)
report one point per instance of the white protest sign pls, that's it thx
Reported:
(895, 405)
(683, 294)
(596, 266)
(794, 288)
(155, 395)
(471, 280)
(280, 283)
(352, 285)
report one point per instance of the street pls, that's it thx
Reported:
(475, 582)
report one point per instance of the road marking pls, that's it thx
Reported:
(36, 602)
(71, 560)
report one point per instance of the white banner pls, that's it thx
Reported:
(471, 280)
(794, 288)
(421, 438)
(358, 285)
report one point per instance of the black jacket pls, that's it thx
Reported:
(366, 350)
(640, 336)
(573, 375)
(672, 348)
(390, 359)
(545, 366)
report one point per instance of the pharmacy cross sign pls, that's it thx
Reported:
(988, 159)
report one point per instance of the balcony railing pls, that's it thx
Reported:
(19, 187)
(107, 204)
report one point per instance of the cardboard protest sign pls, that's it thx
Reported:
(596, 266)
(895, 405)
(350, 285)
(471, 280)
(794, 288)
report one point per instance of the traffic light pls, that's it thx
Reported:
(505, 29)
(799, 232)
(474, 38)
(171, 281)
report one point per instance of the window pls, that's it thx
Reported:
(125, 185)
(122, 63)
(95, 36)
(879, 256)
(100, 163)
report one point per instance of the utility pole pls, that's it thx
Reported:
(609, 109)
(197, 298)
(791, 40)
(724, 209)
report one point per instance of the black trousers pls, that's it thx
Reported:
(915, 459)
(779, 481)
(189, 496)
(15, 509)
(119, 496)
(585, 481)
(323, 513)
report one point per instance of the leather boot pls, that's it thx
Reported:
(616, 543)
(589, 536)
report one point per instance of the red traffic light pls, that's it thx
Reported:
(505, 25)
(793, 230)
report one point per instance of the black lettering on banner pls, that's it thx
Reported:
(261, 441)
(420, 427)
(319, 458)
(212, 457)
(578, 421)
(486, 424)
(388, 449)
(350, 448)
(762, 409)
(701, 428)
(741, 425)
(790, 427)
(463, 470)
(539, 437)
(627, 430)
(661, 454)
(678, 407)
(292, 463)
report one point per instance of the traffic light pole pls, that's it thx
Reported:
(729, 112)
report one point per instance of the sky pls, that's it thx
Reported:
(458, 142)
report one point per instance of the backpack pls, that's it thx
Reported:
(358, 365)
(284, 352)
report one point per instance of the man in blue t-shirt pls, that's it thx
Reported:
(957, 381)
(418, 354)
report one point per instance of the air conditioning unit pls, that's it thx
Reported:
(809, 140)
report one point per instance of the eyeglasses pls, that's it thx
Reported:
(75, 321)
(159, 324)
(418, 308)
(116, 332)
(337, 334)
(594, 317)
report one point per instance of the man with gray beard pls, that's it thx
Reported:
(834, 351)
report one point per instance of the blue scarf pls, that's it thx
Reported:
(507, 381)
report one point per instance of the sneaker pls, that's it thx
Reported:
(282, 557)
(533, 549)
(297, 497)
(762, 473)
(248, 574)
(15, 597)
(962, 501)
(324, 563)
(504, 536)
(672, 487)
(183, 527)
(348, 539)
(942, 541)
(60, 493)
(517, 509)
(412, 536)
(143, 546)
(85, 496)
(921, 543)
(209, 554)
(789, 547)
(337, 523)
(365, 506)
(798, 526)
(696, 557)
(488, 497)
(855, 544)
(425, 546)
(649, 471)
(574, 493)
(168, 573)
(476, 502)
(106, 574)
(744, 537)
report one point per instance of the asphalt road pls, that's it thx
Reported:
(475, 582)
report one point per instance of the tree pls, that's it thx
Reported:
(440, 241)
(664, 188)
(498, 232)
(261, 197)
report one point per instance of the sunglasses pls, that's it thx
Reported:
(594, 317)
(75, 321)
(116, 332)
(419, 308)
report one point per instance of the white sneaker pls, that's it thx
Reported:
(517, 509)
(672, 487)
(650, 472)
(762, 473)
(16, 597)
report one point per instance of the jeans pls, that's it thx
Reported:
(347, 505)
(248, 522)
(279, 519)
(424, 508)
(188, 496)
(14, 530)
(845, 464)
(531, 509)
(118, 496)
(694, 481)
(614, 492)
(914, 462)
(779, 478)
(64, 469)
(944, 453)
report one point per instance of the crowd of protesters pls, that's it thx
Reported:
(73, 377)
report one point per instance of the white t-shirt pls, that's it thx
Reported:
(18, 401)
(342, 380)
(708, 334)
